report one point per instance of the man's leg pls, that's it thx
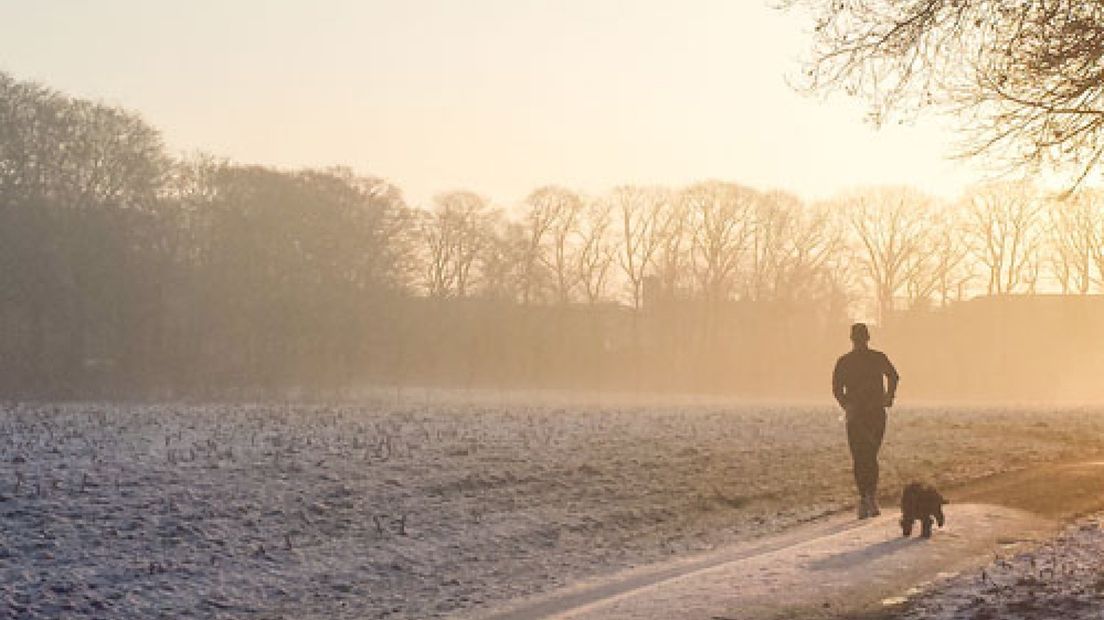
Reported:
(865, 429)
(858, 440)
(876, 425)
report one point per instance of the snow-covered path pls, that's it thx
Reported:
(840, 567)
(825, 569)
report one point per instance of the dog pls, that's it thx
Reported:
(921, 502)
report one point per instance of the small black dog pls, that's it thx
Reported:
(921, 502)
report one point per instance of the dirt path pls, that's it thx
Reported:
(835, 567)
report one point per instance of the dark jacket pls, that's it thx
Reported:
(857, 379)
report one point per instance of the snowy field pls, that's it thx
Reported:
(428, 509)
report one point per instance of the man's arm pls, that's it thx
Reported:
(892, 378)
(837, 385)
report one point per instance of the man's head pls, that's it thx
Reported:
(860, 335)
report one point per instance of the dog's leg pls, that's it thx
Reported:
(939, 517)
(906, 525)
(926, 527)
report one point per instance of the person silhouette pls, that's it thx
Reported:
(857, 384)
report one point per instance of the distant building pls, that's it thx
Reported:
(1004, 347)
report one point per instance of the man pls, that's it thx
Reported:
(858, 387)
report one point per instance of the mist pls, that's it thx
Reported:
(520, 310)
(130, 273)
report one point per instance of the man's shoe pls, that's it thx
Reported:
(863, 509)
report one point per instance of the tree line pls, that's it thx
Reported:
(127, 271)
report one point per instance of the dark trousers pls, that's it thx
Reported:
(865, 429)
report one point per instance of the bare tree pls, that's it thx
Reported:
(888, 225)
(670, 260)
(1073, 231)
(721, 217)
(540, 216)
(455, 234)
(595, 249)
(562, 208)
(770, 223)
(1004, 235)
(806, 265)
(502, 259)
(1024, 78)
(942, 272)
(1076, 226)
(640, 213)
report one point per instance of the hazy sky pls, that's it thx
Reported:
(497, 96)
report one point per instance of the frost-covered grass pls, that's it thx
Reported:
(1061, 578)
(422, 510)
